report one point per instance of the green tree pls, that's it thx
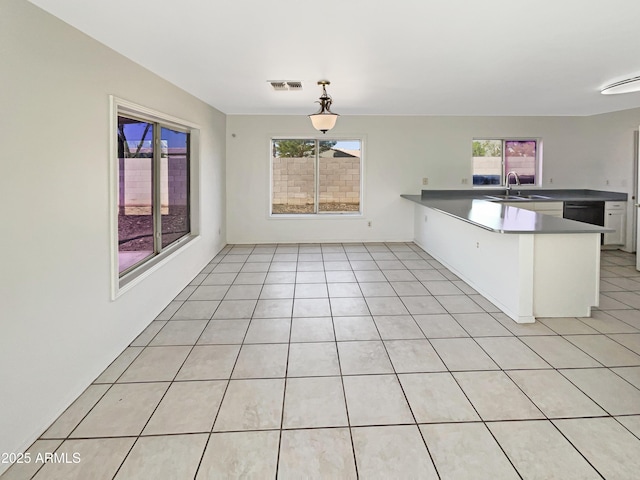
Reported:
(487, 148)
(299, 148)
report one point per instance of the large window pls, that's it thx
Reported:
(153, 189)
(316, 176)
(494, 159)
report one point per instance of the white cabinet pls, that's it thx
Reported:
(548, 208)
(615, 217)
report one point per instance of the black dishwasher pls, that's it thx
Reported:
(585, 211)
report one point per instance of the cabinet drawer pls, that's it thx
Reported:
(615, 205)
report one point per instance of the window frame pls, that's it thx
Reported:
(503, 173)
(317, 213)
(125, 280)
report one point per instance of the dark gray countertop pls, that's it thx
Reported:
(501, 218)
(555, 195)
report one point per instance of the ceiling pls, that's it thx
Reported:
(401, 57)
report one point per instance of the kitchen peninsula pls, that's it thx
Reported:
(527, 263)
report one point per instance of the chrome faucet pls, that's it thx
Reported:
(507, 181)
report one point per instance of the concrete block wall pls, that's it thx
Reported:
(294, 180)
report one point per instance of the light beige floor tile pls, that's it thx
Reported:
(230, 309)
(424, 305)
(268, 330)
(522, 329)
(156, 364)
(377, 289)
(310, 277)
(344, 290)
(376, 400)
(386, 306)
(392, 452)
(559, 353)
(441, 287)
(335, 275)
(119, 365)
(631, 317)
(357, 358)
(149, 459)
(463, 354)
(606, 444)
(243, 292)
(605, 323)
(567, 326)
(481, 325)
(220, 278)
(277, 291)
(366, 276)
(313, 359)
(318, 329)
(209, 362)
(179, 333)
(250, 455)
(187, 407)
(605, 350)
(496, 397)
(511, 353)
(607, 389)
(99, 458)
(311, 266)
(632, 423)
(169, 310)
(457, 304)
(345, 307)
(224, 332)
(538, 450)
(408, 289)
(72, 416)
(311, 307)
(245, 278)
(436, 397)
(196, 310)
(148, 333)
(280, 276)
(464, 451)
(630, 374)
(318, 453)
(275, 308)
(554, 394)
(209, 292)
(440, 326)
(311, 290)
(485, 304)
(398, 327)
(632, 299)
(355, 328)
(314, 402)
(124, 410)
(631, 341)
(261, 361)
(37, 452)
(413, 356)
(429, 275)
(251, 405)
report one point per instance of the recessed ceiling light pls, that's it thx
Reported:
(624, 86)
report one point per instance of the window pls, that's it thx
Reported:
(493, 159)
(316, 176)
(153, 188)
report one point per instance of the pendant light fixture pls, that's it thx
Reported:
(625, 86)
(324, 119)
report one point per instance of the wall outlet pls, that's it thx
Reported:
(368, 224)
(464, 181)
(551, 180)
(425, 181)
(606, 182)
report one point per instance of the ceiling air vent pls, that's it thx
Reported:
(285, 85)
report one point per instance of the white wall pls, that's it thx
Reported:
(579, 152)
(58, 327)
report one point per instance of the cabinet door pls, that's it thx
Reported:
(615, 219)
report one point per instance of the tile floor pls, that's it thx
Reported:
(359, 360)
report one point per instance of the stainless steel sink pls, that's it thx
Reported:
(535, 197)
(504, 197)
(517, 197)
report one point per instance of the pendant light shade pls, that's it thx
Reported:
(324, 119)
